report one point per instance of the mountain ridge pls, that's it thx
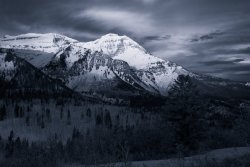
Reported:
(99, 66)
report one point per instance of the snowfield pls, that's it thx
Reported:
(49, 43)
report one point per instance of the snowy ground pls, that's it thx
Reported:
(212, 157)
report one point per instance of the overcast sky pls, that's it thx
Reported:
(206, 36)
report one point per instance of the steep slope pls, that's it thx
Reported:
(19, 79)
(160, 74)
(123, 48)
(84, 71)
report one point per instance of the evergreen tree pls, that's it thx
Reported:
(82, 115)
(21, 112)
(117, 123)
(107, 120)
(185, 111)
(68, 118)
(127, 122)
(2, 112)
(42, 122)
(61, 113)
(16, 111)
(76, 134)
(48, 115)
(99, 120)
(9, 149)
(88, 113)
(28, 109)
(27, 120)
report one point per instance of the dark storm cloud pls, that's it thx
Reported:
(157, 37)
(203, 35)
(46, 16)
(207, 36)
(220, 62)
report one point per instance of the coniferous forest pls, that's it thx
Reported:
(47, 132)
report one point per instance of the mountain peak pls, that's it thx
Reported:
(110, 35)
(123, 48)
(113, 36)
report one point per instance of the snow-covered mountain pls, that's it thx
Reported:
(156, 72)
(101, 59)
(109, 65)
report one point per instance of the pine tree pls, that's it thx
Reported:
(9, 148)
(88, 113)
(42, 122)
(61, 113)
(99, 120)
(107, 120)
(76, 134)
(68, 118)
(21, 112)
(127, 122)
(16, 111)
(2, 113)
(48, 115)
(117, 123)
(28, 109)
(27, 120)
(185, 110)
(82, 115)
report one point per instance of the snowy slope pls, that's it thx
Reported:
(156, 72)
(84, 71)
(50, 43)
(123, 48)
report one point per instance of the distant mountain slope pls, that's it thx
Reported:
(50, 43)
